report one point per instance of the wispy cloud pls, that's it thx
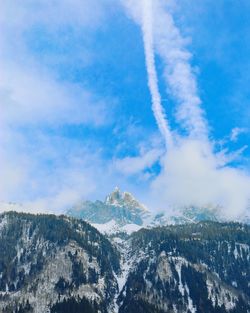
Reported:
(147, 28)
(39, 162)
(53, 172)
(33, 96)
(178, 72)
(137, 164)
(161, 34)
(236, 132)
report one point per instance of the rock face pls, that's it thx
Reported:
(52, 264)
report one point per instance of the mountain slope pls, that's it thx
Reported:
(201, 267)
(52, 264)
(48, 261)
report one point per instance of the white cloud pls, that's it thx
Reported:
(236, 132)
(50, 173)
(30, 92)
(38, 165)
(193, 175)
(135, 165)
(54, 13)
(33, 96)
(148, 38)
(178, 73)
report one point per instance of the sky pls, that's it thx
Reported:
(150, 96)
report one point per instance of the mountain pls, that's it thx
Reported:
(188, 214)
(203, 268)
(57, 264)
(48, 263)
(120, 211)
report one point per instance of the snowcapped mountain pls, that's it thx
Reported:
(120, 211)
(188, 214)
(125, 199)
(187, 262)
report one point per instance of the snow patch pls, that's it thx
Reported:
(112, 227)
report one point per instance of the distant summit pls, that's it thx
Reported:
(188, 214)
(124, 199)
(122, 212)
(118, 209)
(115, 197)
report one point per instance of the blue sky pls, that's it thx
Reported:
(76, 107)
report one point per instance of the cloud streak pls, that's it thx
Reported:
(178, 73)
(161, 34)
(137, 164)
(147, 24)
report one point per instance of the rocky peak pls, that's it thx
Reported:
(119, 207)
(115, 197)
(124, 199)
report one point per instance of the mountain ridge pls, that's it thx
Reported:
(118, 206)
(121, 212)
(57, 264)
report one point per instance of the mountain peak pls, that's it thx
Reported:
(123, 199)
(115, 197)
(118, 206)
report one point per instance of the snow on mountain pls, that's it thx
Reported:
(197, 267)
(188, 214)
(57, 264)
(125, 199)
(47, 262)
(118, 209)
(112, 227)
(121, 212)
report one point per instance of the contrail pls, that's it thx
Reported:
(178, 72)
(152, 74)
(166, 40)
